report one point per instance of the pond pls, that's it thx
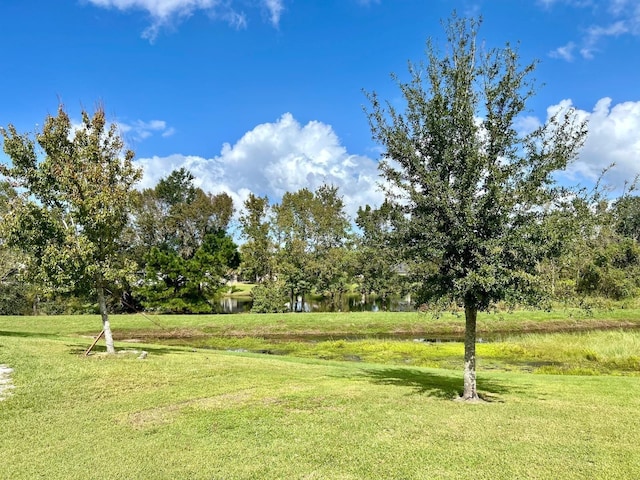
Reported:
(350, 303)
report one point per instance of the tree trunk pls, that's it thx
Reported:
(106, 326)
(36, 303)
(470, 390)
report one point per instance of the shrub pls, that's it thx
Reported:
(269, 297)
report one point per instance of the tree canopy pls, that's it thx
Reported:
(182, 245)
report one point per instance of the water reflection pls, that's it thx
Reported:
(234, 305)
(349, 303)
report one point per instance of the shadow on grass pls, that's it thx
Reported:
(133, 350)
(434, 384)
(4, 333)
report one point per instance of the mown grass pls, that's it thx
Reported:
(220, 415)
(190, 412)
(239, 290)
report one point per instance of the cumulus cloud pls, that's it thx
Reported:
(165, 13)
(614, 18)
(284, 155)
(612, 139)
(274, 158)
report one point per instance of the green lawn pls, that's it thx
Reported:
(240, 290)
(205, 414)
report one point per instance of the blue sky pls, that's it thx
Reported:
(266, 95)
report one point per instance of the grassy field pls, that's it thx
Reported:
(240, 290)
(186, 412)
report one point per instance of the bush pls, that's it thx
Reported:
(269, 297)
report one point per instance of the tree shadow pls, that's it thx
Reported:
(134, 350)
(4, 333)
(436, 385)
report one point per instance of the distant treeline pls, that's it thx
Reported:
(183, 257)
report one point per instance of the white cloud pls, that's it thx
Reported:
(617, 6)
(526, 124)
(612, 138)
(596, 33)
(165, 13)
(574, 3)
(140, 130)
(614, 18)
(284, 155)
(275, 8)
(565, 52)
(274, 158)
(168, 132)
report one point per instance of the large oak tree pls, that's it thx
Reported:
(468, 184)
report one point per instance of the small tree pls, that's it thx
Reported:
(377, 262)
(258, 250)
(311, 232)
(73, 190)
(189, 285)
(468, 185)
(292, 225)
(626, 211)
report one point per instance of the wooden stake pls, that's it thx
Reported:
(94, 343)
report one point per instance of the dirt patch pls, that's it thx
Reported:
(6, 385)
(154, 417)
